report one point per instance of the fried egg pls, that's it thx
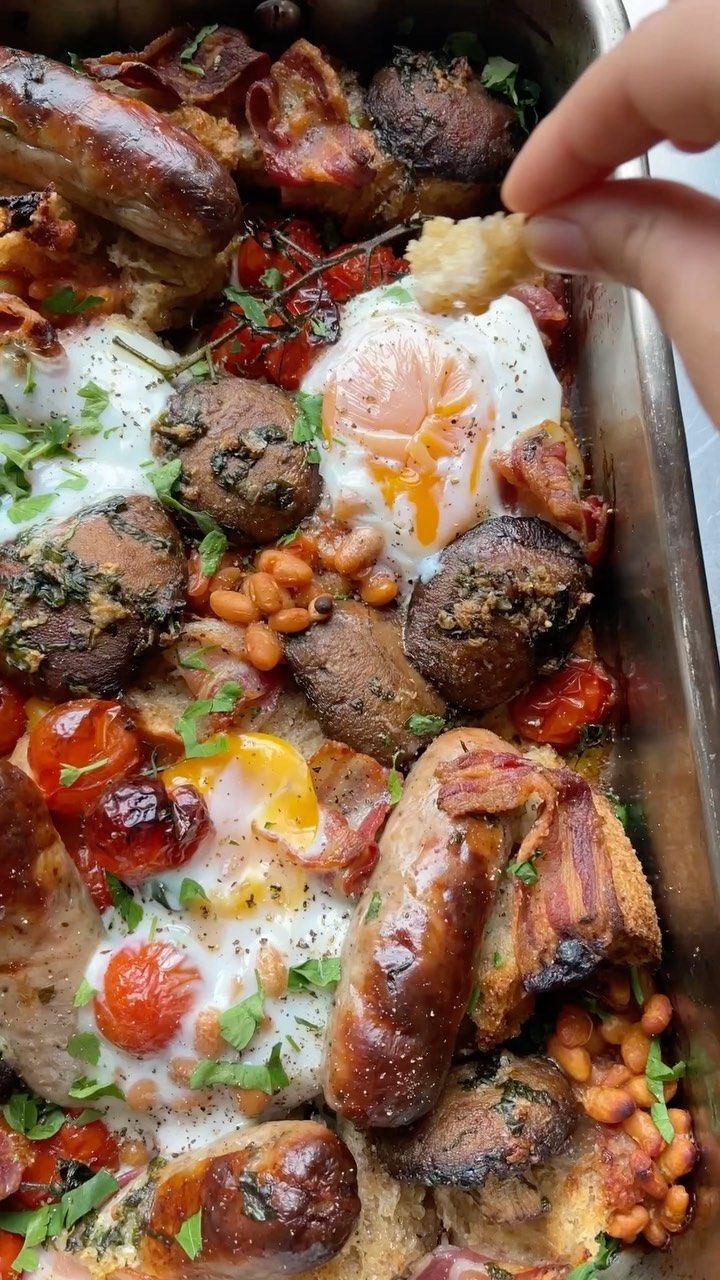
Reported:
(413, 408)
(258, 900)
(108, 450)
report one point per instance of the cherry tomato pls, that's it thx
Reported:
(261, 252)
(93, 874)
(242, 354)
(556, 708)
(356, 274)
(135, 828)
(91, 1144)
(287, 362)
(89, 735)
(10, 1246)
(12, 718)
(147, 990)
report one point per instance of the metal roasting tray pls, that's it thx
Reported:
(653, 601)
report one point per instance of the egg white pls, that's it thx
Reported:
(514, 388)
(117, 458)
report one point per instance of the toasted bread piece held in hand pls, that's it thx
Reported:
(467, 264)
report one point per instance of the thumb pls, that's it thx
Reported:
(659, 237)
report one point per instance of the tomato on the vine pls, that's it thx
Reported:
(12, 718)
(77, 748)
(359, 273)
(90, 1144)
(558, 707)
(264, 250)
(147, 989)
(136, 828)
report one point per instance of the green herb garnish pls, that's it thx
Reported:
(69, 773)
(323, 972)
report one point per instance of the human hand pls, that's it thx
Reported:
(662, 82)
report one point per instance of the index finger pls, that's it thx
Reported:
(662, 81)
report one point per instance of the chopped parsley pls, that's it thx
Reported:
(222, 702)
(472, 1003)
(39, 1225)
(33, 1117)
(188, 53)
(83, 995)
(272, 279)
(399, 293)
(636, 985)
(69, 773)
(193, 659)
(252, 308)
(394, 783)
(84, 1087)
(425, 726)
(75, 479)
(373, 910)
(319, 327)
(191, 891)
(323, 972)
(239, 1023)
(189, 1237)
(307, 428)
(503, 78)
(163, 479)
(85, 1046)
(608, 1249)
(497, 960)
(657, 1074)
(525, 871)
(124, 903)
(27, 508)
(30, 383)
(212, 549)
(66, 302)
(96, 400)
(268, 1078)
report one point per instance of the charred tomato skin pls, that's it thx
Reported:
(137, 828)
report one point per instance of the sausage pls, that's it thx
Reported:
(275, 1200)
(116, 157)
(49, 927)
(408, 955)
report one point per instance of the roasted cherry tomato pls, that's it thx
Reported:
(147, 990)
(286, 362)
(92, 1145)
(556, 708)
(12, 718)
(77, 748)
(292, 255)
(93, 874)
(136, 828)
(10, 1246)
(242, 354)
(357, 274)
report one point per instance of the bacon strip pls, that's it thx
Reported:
(536, 467)
(225, 67)
(352, 793)
(23, 327)
(570, 919)
(300, 117)
(15, 1154)
(546, 309)
(219, 647)
(448, 1262)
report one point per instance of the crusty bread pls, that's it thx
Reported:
(397, 1222)
(578, 1189)
(468, 264)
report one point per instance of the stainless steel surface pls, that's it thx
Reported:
(654, 600)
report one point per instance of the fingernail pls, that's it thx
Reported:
(559, 245)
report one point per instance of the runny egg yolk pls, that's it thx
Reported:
(276, 777)
(411, 404)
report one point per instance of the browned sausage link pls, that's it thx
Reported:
(408, 957)
(48, 929)
(116, 157)
(277, 1200)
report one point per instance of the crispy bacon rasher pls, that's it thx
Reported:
(448, 1262)
(300, 117)
(536, 467)
(22, 326)
(352, 794)
(215, 77)
(15, 1154)
(569, 919)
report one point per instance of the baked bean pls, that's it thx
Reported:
(680, 1120)
(651, 1182)
(614, 1029)
(358, 550)
(627, 1226)
(640, 1127)
(656, 1235)
(133, 1152)
(290, 621)
(595, 1045)
(618, 991)
(264, 590)
(379, 589)
(656, 1015)
(635, 1048)
(251, 1102)
(272, 970)
(227, 579)
(320, 608)
(637, 1088)
(267, 559)
(234, 606)
(615, 1075)
(679, 1157)
(574, 1026)
(181, 1069)
(608, 1106)
(262, 647)
(141, 1095)
(207, 1037)
(576, 1063)
(675, 1206)
(291, 571)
